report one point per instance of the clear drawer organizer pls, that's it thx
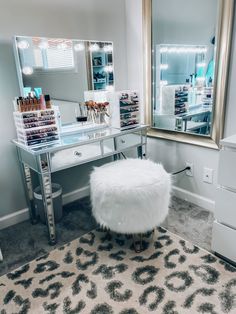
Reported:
(36, 128)
(125, 109)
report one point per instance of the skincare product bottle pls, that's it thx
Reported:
(48, 101)
(42, 102)
(38, 91)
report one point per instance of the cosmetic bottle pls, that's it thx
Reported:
(38, 91)
(31, 104)
(42, 102)
(48, 101)
(19, 101)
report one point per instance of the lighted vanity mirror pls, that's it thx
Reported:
(64, 69)
(187, 58)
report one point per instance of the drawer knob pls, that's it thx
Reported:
(122, 141)
(78, 154)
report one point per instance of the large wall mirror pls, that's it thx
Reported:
(64, 69)
(187, 56)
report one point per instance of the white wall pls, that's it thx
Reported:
(77, 19)
(172, 154)
(98, 20)
(134, 46)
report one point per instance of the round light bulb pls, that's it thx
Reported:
(27, 70)
(62, 46)
(108, 48)
(164, 66)
(79, 47)
(23, 44)
(94, 47)
(43, 45)
(108, 68)
(110, 88)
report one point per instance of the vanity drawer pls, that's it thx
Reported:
(225, 208)
(128, 140)
(75, 155)
(227, 168)
(108, 146)
(223, 241)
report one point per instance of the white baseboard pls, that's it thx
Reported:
(75, 195)
(196, 199)
(23, 214)
(14, 218)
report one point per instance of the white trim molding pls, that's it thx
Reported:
(23, 214)
(196, 199)
(14, 218)
(75, 195)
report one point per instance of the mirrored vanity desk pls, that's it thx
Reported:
(72, 150)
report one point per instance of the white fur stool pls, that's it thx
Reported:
(130, 196)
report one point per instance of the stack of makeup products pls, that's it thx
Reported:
(129, 110)
(181, 100)
(35, 121)
(32, 103)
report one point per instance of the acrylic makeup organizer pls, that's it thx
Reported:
(36, 128)
(125, 109)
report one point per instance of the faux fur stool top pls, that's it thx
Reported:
(130, 196)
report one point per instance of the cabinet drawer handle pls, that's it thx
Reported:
(122, 141)
(78, 154)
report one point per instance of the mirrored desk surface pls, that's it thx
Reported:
(66, 141)
(70, 151)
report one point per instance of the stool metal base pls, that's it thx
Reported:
(138, 243)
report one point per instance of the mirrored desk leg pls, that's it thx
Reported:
(115, 157)
(28, 187)
(46, 188)
(140, 152)
(142, 149)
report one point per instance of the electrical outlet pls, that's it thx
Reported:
(189, 173)
(208, 175)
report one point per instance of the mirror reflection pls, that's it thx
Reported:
(183, 62)
(65, 69)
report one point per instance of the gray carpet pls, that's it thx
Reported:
(24, 242)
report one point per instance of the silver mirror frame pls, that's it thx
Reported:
(224, 37)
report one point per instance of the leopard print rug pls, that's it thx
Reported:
(100, 273)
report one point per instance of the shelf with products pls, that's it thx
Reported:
(36, 127)
(181, 100)
(207, 96)
(102, 68)
(125, 110)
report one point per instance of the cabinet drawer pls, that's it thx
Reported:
(75, 155)
(127, 141)
(225, 208)
(223, 241)
(227, 169)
